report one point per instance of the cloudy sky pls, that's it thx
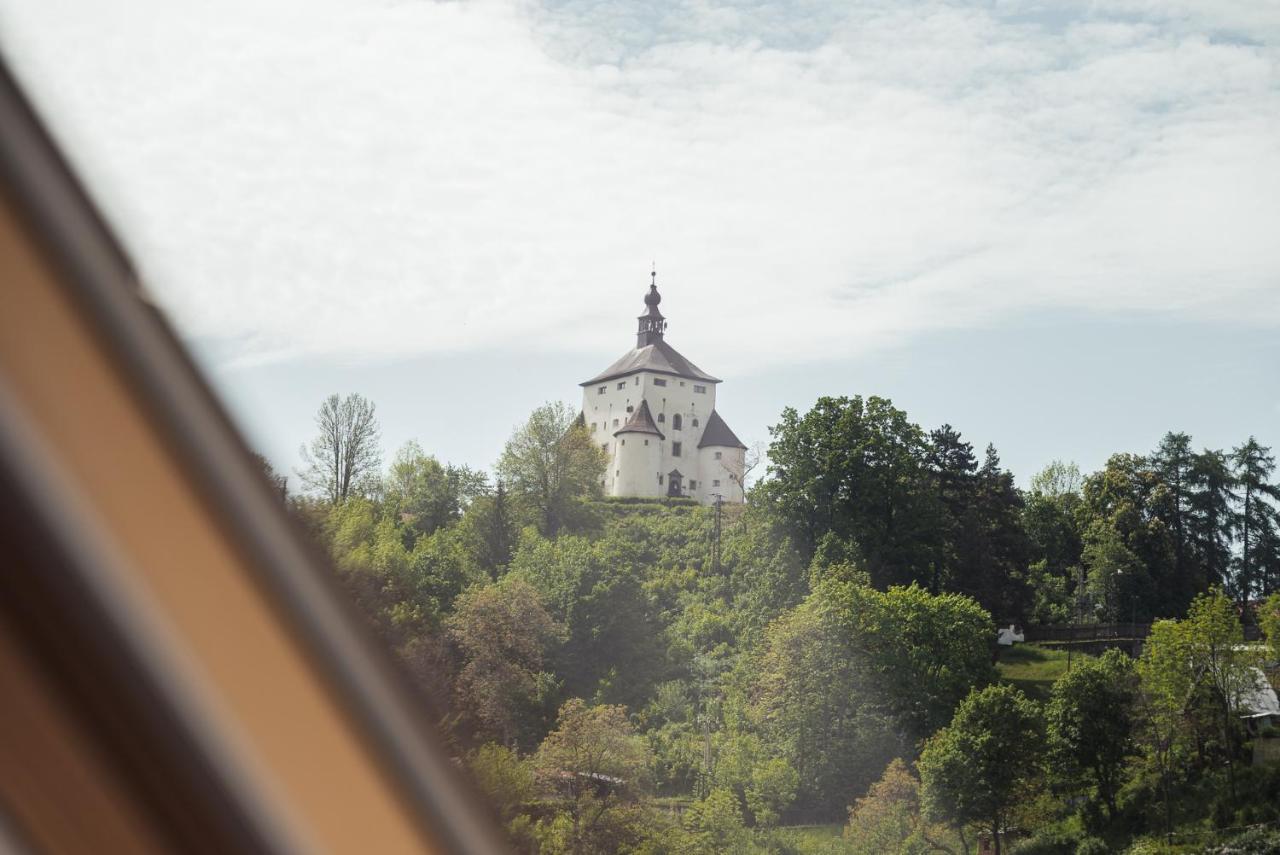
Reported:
(1053, 225)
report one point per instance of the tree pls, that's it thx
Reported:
(1051, 520)
(551, 462)
(1166, 683)
(491, 531)
(615, 648)
(344, 457)
(1199, 661)
(975, 769)
(888, 818)
(812, 695)
(925, 653)
(1211, 520)
(1257, 521)
(1060, 479)
(1222, 663)
(1090, 724)
(771, 790)
(594, 763)
(997, 551)
(505, 779)
(954, 470)
(504, 634)
(426, 495)
(1269, 621)
(854, 471)
(1128, 549)
(715, 824)
(1117, 577)
(1172, 461)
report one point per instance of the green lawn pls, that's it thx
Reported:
(818, 839)
(1032, 668)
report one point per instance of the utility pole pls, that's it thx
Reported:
(1079, 615)
(715, 549)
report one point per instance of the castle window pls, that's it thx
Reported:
(622, 385)
(629, 409)
(675, 422)
(695, 422)
(658, 381)
(700, 390)
(604, 446)
(637, 379)
(693, 485)
(624, 442)
(646, 442)
(715, 483)
(601, 390)
(615, 422)
(675, 449)
(662, 417)
(659, 479)
(717, 455)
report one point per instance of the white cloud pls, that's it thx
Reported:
(371, 179)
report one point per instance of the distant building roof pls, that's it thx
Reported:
(641, 421)
(659, 357)
(718, 433)
(1262, 700)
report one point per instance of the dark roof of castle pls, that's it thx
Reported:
(717, 433)
(659, 357)
(641, 421)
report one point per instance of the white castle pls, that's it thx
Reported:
(654, 414)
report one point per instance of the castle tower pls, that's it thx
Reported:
(653, 412)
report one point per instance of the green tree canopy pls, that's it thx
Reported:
(1090, 719)
(976, 769)
(856, 470)
(504, 633)
(426, 494)
(550, 463)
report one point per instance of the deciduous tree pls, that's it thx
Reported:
(976, 769)
(344, 457)
(504, 633)
(1090, 723)
(426, 494)
(551, 462)
(594, 765)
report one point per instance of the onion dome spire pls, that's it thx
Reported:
(652, 324)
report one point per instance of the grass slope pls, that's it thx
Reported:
(1032, 668)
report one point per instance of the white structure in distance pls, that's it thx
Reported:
(653, 412)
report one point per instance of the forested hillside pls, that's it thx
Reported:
(618, 681)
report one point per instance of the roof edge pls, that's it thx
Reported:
(607, 378)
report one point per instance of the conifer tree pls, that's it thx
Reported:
(1256, 523)
(1212, 518)
(1172, 462)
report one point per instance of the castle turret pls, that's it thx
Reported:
(639, 455)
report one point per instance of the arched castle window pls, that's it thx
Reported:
(675, 422)
(695, 422)
(662, 417)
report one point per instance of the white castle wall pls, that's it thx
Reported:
(679, 396)
(725, 469)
